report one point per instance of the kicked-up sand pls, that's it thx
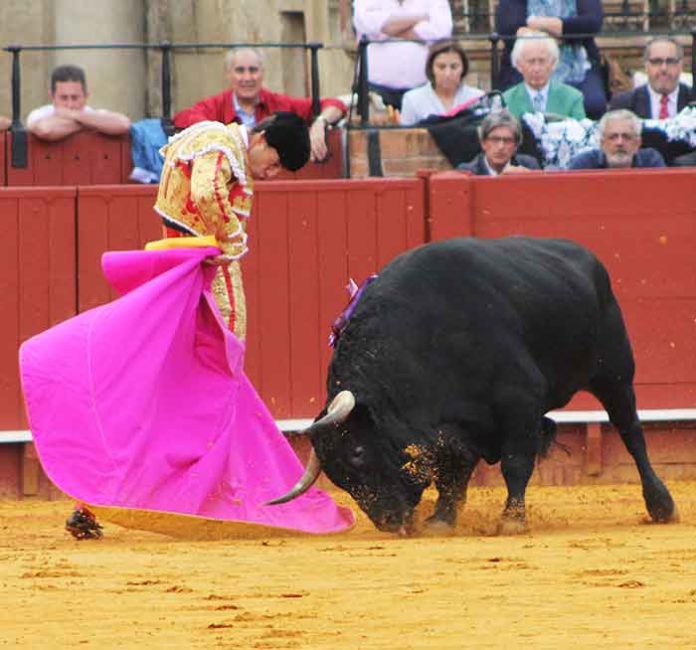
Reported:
(589, 573)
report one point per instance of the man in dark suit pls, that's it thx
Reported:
(663, 96)
(619, 145)
(500, 134)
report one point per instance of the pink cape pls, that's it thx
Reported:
(143, 404)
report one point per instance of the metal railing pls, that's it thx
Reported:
(361, 84)
(476, 16)
(19, 136)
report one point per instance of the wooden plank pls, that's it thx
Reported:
(304, 321)
(274, 302)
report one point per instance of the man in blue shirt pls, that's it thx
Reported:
(619, 141)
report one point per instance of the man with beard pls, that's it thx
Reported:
(663, 96)
(619, 141)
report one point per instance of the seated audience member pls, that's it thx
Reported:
(619, 145)
(500, 134)
(446, 67)
(396, 66)
(247, 102)
(579, 65)
(536, 56)
(663, 96)
(5, 123)
(69, 113)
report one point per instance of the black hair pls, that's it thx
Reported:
(68, 73)
(441, 47)
(287, 133)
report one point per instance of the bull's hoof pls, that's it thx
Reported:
(660, 505)
(663, 515)
(508, 526)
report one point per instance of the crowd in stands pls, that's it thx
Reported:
(416, 70)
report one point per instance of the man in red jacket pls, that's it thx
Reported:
(247, 102)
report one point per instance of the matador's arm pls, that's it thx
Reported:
(210, 176)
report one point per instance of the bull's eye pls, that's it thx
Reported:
(358, 456)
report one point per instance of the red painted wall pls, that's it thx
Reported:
(37, 278)
(84, 158)
(306, 240)
(639, 223)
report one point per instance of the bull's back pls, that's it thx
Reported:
(544, 299)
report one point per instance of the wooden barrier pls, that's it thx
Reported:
(330, 168)
(639, 223)
(3, 168)
(307, 238)
(111, 217)
(84, 158)
(89, 158)
(37, 267)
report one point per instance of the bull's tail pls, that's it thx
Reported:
(547, 437)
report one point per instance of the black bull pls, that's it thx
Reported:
(455, 353)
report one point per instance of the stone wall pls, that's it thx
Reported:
(402, 152)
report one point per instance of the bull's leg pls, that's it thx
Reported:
(620, 403)
(613, 387)
(452, 476)
(520, 428)
(517, 465)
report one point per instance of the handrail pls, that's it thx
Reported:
(362, 66)
(19, 139)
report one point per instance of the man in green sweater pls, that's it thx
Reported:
(535, 55)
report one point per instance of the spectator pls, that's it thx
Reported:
(247, 102)
(619, 142)
(5, 123)
(69, 113)
(445, 68)
(397, 66)
(500, 135)
(536, 56)
(663, 96)
(579, 64)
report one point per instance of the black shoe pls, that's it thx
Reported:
(82, 524)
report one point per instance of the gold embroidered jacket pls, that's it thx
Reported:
(206, 187)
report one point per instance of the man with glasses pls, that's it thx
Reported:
(663, 96)
(247, 102)
(499, 134)
(619, 141)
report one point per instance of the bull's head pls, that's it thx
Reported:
(370, 466)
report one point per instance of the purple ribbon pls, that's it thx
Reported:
(341, 321)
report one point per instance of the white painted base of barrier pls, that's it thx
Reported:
(561, 417)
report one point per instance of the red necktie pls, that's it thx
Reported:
(664, 111)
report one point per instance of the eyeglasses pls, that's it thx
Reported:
(614, 137)
(659, 62)
(498, 139)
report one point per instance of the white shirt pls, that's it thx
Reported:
(400, 64)
(656, 98)
(47, 111)
(532, 92)
(248, 119)
(420, 102)
(492, 171)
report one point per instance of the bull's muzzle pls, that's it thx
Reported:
(338, 411)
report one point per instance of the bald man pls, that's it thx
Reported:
(247, 102)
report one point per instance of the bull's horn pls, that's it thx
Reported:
(338, 411)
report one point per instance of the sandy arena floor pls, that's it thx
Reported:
(589, 574)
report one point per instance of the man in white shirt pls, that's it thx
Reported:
(69, 113)
(398, 65)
